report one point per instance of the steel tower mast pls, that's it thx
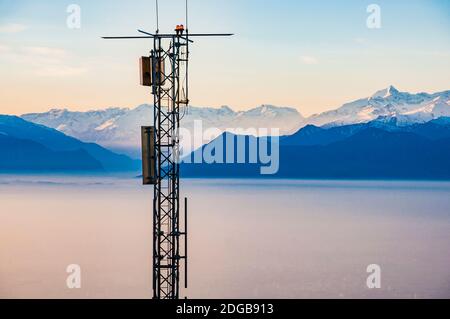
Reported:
(163, 72)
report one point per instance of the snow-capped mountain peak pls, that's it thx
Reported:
(389, 102)
(226, 109)
(57, 112)
(385, 93)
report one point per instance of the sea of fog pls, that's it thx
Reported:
(248, 238)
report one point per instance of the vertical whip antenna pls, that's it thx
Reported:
(187, 57)
(157, 17)
(187, 16)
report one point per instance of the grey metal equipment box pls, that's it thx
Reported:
(148, 155)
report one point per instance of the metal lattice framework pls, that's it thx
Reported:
(168, 102)
(170, 61)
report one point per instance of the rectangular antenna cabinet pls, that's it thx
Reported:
(148, 155)
(151, 71)
(146, 71)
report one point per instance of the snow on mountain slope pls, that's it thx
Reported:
(80, 125)
(119, 129)
(406, 107)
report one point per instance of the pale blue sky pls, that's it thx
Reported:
(312, 55)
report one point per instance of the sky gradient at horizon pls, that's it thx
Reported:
(304, 54)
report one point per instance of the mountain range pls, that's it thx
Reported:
(407, 108)
(26, 146)
(380, 149)
(390, 134)
(118, 128)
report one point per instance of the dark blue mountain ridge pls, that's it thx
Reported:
(374, 150)
(381, 149)
(26, 155)
(313, 135)
(55, 141)
(442, 121)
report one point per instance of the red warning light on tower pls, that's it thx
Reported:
(179, 29)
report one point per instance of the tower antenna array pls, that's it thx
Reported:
(161, 71)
